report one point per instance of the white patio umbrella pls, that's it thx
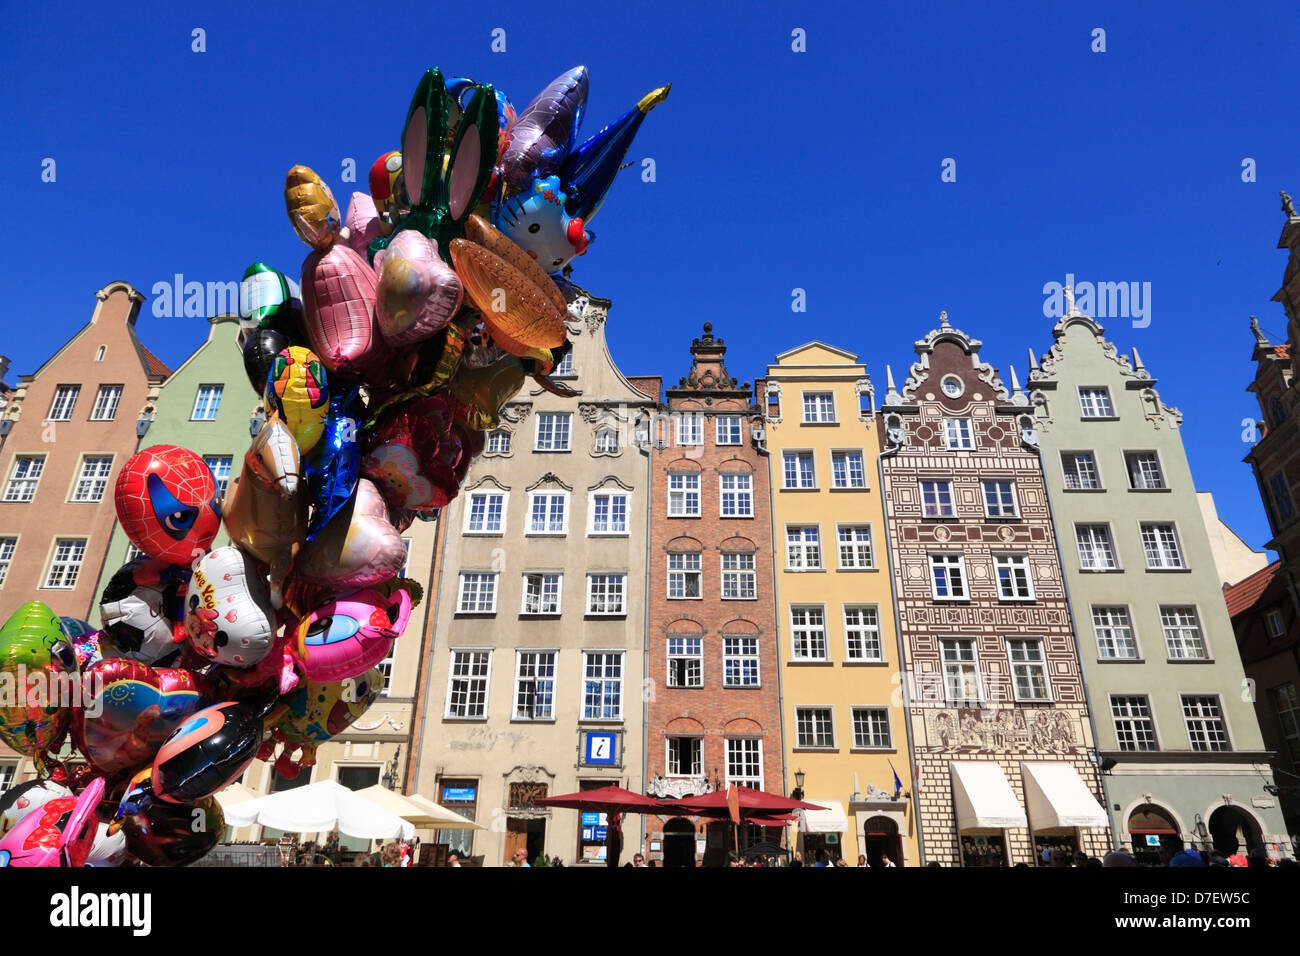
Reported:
(319, 808)
(234, 794)
(401, 806)
(447, 819)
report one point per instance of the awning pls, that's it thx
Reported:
(1057, 797)
(984, 799)
(829, 819)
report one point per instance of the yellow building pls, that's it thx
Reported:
(844, 725)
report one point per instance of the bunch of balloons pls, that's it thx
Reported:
(422, 312)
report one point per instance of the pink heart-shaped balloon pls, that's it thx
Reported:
(417, 293)
(358, 548)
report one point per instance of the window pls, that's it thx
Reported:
(406, 560)
(808, 633)
(1134, 728)
(1096, 553)
(738, 578)
(65, 400)
(685, 579)
(685, 662)
(1115, 640)
(818, 408)
(1080, 469)
(797, 470)
(460, 797)
(548, 512)
(7, 773)
(1144, 470)
(467, 686)
(607, 441)
(814, 728)
(727, 429)
(685, 756)
(1205, 727)
(541, 594)
(106, 400)
(745, 762)
(957, 433)
(952, 386)
(862, 633)
(1095, 403)
(486, 513)
(602, 690)
(1273, 625)
(740, 662)
(1281, 497)
(803, 548)
(1028, 669)
(24, 478)
(948, 577)
(961, 676)
(1182, 627)
(99, 357)
(936, 499)
(498, 442)
(1013, 577)
(7, 548)
(553, 431)
(1000, 499)
(219, 465)
(65, 564)
(534, 685)
(92, 480)
(206, 403)
(737, 496)
(774, 401)
(855, 547)
(478, 592)
(871, 729)
(847, 470)
(1287, 704)
(605, 593)
(690, 428)
(609, 512)
(1160, 541)
(683, 496)
(565, 366)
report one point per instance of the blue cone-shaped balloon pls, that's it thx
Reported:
(332, 471)
(590, 169)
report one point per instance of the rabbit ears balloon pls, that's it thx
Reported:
(166, 500)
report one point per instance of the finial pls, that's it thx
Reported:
(943, 321)
(1069, 301)
(1033, 361)
(1260, 337)
(708, 328)
(889, 378)
(1288, 207)
(1137, 361)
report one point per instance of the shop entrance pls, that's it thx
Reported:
(1055, 849)
(881, 839)
(1233, 831)
(529, 834)
(679, 842)
(1154, 835)
(983, 849)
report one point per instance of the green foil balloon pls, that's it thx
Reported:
(38, 668)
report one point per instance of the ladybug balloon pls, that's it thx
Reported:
(166, 500)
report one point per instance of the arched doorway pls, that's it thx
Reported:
(1233, 831)
(881, 839)
(1154, 834)
(679, 842)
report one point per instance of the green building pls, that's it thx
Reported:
(1177, 734)
(206, 405)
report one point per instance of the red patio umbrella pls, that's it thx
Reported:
(606, 800)
(753, 803)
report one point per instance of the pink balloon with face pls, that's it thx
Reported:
(59, 833)
(338, 301)
(349, 635)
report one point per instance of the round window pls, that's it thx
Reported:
(952, 386)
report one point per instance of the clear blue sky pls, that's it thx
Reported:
(775, 170)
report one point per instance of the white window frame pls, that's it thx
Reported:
(1073, 478)
(12, 488)
(1002, 512)
(800, 456)
(741, 656)
(1110, 545)
(696, 757)
(1134, 454)
(620, 680)
(1177, 556)
(820, 403)
(939, 487)
(8, 548)
(1181, 626)
(962, 664)
(1274, 626)
(690, 429)
(215, 390)
(744, 780)
(858, 743)
(547, 532)
(53, 561)
(537, 653)
(1011, 562)
(107, 399)
(739, 575)
(687, 563)
(56, 403)
(691, 649)
(525, 581)
(953, 437)
(470, 679)
(809, 630)
(488, 494)
(1029, 664)
(738, 495)
(496, 439)
(554, 419)
(1188, 718)
(606, 440)
(1110, 625)
(591, 513)
(854, 546)
(1132, 719)
(960, 565)
(564, 367)
(807, 547)
(622, 576)
(1085, 405)
(677, 506)
(846, 454)
(865, 632)
(816, 725)
(491, 576)
(721, 437)
(76, 497)
(221, 483)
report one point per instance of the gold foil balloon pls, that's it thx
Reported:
(478, 229)
(312, 208)
(266, 507)
(511, 304)
(485, 391)
(358, 548)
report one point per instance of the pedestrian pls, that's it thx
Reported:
(862, 861)
(840, 862)
(1118, 858)
(391, 854)
(798, 860)
(1186, 858)
(885, 861)
(453, 858)
(520, 858)
(638, 860)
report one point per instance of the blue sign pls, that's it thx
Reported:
(592, 819)
(602, 748)
(601, 834)
(458, 794)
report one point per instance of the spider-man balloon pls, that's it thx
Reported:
(167, 503)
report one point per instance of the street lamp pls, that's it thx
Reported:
(798, 784)
(1202, 831)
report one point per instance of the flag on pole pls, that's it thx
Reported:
(919, 789)
(898, 784)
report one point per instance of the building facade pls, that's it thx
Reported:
(533, 681)
(1187, 764)
(846, 731)
(712, 711)
(999, 713)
